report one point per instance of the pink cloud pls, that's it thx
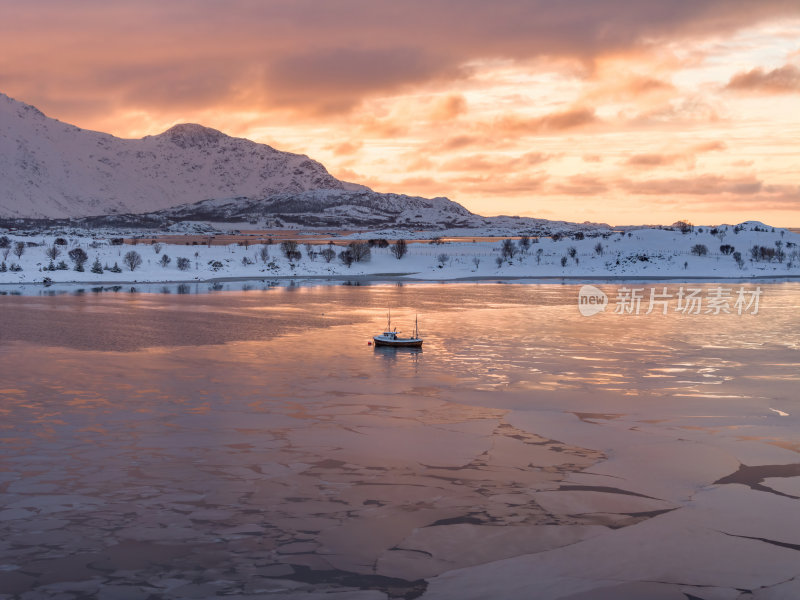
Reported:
(782, 80)
(701, 185)
(346, 148)
(554, 122)
(317, 57)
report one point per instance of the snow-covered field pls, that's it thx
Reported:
(660, 253)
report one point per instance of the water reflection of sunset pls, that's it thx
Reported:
(229, 422)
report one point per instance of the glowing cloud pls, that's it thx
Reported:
(517, 106)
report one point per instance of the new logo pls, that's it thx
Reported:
(591, 300)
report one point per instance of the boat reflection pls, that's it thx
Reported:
(394, 352)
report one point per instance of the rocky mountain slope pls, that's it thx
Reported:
(326, 208)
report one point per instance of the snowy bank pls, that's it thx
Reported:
(748, 250)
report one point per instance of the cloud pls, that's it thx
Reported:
(457, 142)
(332, 80)
(715, 146)
(317, 57)
(500, 164)
(581, 185)
(348, 175)
(382, 127)
(608, 84)
(420, 163)
(782, 80)
(448, 108)
(551, 123)
(647, 85)
(490, 184)
(652, 160)
(781, 197)
(692, 109)
(768, 198)
(701, 185)
(533, 158)
(684, 159)
(599, 93)
(418, 185)
(346, 148)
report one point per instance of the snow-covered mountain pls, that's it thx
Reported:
(49, 169)
(52, 170)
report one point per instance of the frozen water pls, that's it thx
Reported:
(252, 444)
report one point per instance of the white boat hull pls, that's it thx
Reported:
(398, 342)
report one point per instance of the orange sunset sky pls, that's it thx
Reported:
(625, 112)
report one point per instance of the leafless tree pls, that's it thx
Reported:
(79, 257)
(400, 249)
(508, 249)
(346, 256)
(53, 252)
(328, 254)
(360, 251)
(132, 260)
(288, 247)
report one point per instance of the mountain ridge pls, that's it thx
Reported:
(50, 169)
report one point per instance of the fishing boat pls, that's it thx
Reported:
(391, 337)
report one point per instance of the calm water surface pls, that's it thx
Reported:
(252, 443)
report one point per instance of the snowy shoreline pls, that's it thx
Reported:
(379, 279)
(749, 251)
